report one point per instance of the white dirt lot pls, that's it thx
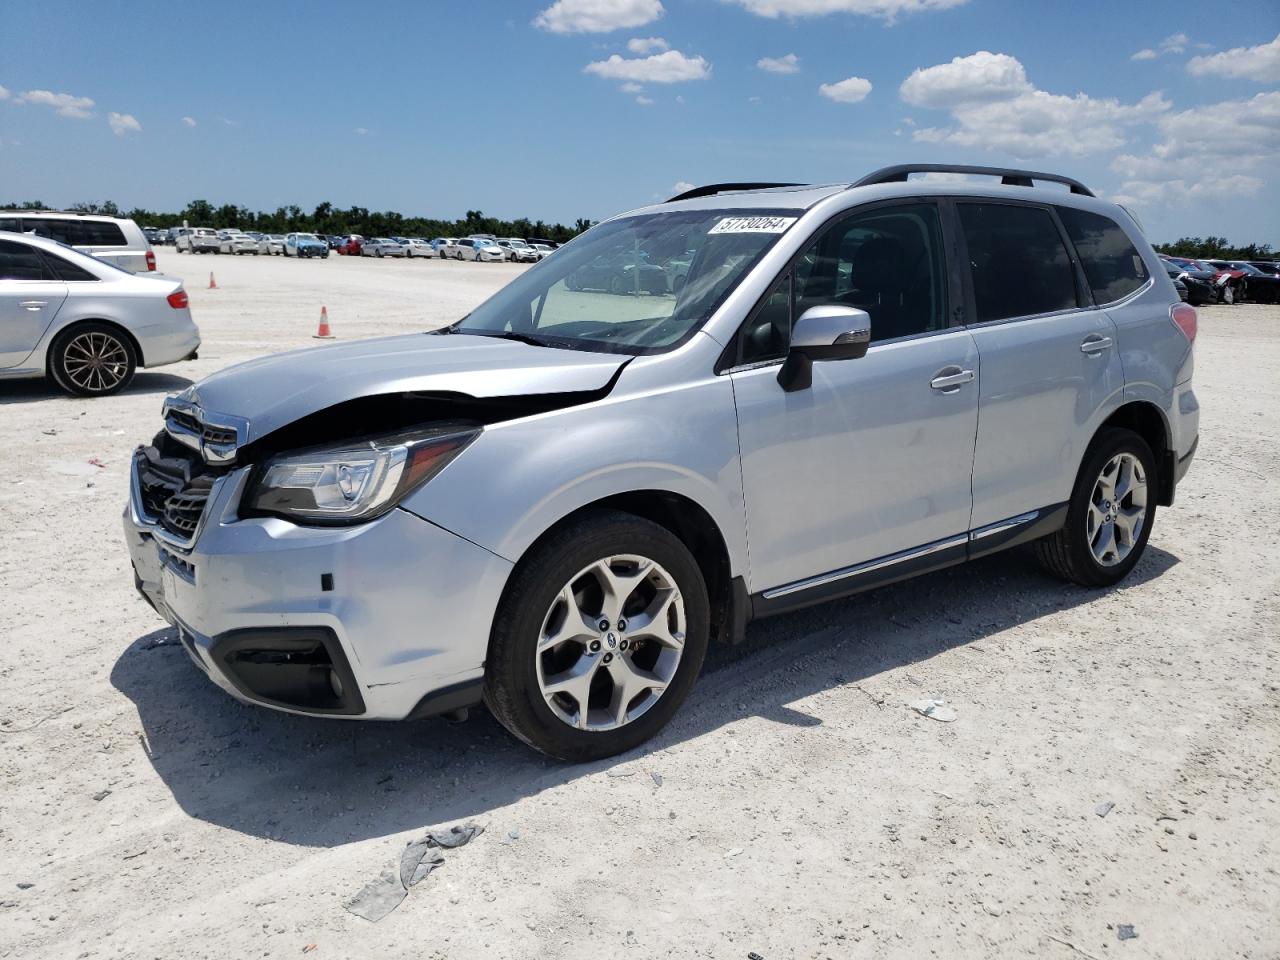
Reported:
(795, 808)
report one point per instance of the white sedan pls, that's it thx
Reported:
(480, 250)
(271, 244)
(382, 247)
(419, 248)
(233, 241)
(84, 322)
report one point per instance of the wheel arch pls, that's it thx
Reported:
(691, 524)
(60, 332)
(1148, 421)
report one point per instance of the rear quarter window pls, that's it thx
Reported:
(1019, 263)
(1111, 263)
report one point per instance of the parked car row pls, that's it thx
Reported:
(484, 248)
(1224, 281)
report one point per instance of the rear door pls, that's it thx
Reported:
(1049, 359)
(30, 298)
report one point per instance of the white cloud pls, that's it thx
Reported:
(1200, 143)
(123, 123)
(189, 121)
(597, 16)
(4, 93)
(983, 76)
(1173, 44)
(670, 67)
(887, 10)
(1260, 63)
(853, 90)
(788, 64)
(643, 45)
(361, 131)
(644, 101)
(681, 186)
(67, 105)
(993, 105)
(631, 88)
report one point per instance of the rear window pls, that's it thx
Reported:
(74, 233)
(66, 270)
(1112, 264)
(1019, 262)
(20, 262)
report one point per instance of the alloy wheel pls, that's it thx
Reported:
(1117, 509)
(611, 643)
(96, 362)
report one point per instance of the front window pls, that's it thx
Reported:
(637, 285)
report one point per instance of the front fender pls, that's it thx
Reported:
(519, 478)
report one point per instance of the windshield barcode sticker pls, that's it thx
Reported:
(752, 225)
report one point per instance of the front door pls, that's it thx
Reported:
(875, 457)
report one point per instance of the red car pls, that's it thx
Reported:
(351, 246)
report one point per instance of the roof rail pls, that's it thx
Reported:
(711, 189)
(1009, 176)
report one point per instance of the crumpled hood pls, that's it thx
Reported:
(273, 391)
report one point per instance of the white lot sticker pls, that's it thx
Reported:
(752, 225)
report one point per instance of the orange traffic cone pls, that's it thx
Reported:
(323, 333)
(213, 284)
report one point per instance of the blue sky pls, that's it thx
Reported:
(588, 107)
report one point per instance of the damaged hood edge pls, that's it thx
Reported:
(273, 391)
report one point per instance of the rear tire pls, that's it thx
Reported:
(516, 672)
(1081, 551)
(92, 360)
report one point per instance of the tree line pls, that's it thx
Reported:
(327, 219)
(1215, 248)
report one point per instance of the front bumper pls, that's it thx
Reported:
(406, 605)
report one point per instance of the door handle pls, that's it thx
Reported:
(33, 305)
(1095, 344)
(950, 379)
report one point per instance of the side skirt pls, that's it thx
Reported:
(909, 563)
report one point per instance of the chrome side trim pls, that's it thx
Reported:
(1003, 525)
(825, 578)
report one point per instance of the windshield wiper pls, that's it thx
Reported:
(510, 335)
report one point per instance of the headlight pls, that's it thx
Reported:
(354, 481)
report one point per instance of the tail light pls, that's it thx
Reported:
(1184, 318)
(151, 260)
(180, 301)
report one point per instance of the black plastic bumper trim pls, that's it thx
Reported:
(457, 696)
(226, 646)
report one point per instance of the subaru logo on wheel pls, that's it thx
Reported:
(612, 640)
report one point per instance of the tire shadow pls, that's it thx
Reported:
(324, 782)
(144, 382)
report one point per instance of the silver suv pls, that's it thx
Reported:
(117, 240)
(556, 503)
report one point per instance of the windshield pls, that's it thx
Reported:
(636, 285)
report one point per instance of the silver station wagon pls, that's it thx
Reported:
(783, 394)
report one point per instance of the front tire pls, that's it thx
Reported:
(1110, 514)
(92, 360)
(599, 637)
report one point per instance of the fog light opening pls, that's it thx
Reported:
(335, 683)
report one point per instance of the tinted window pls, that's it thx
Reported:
(1111, 264)
(66, 270)
(1020, 266)
(76, 233)
(20, 262)
(887, 262)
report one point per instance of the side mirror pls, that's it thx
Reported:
(828, 332)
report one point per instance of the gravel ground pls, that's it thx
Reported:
(795, 808)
